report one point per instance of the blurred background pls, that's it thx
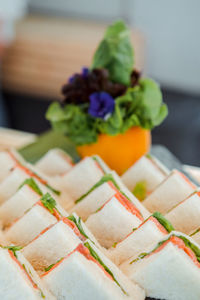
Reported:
(43, 42)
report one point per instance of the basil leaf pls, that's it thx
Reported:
(14, 249)
(163, 221)
(48, 202)
(115, 53)
(105, 178)
(31, 182)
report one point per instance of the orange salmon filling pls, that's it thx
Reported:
(74, 228)
(84, 251)
(160, 227)
(127, 204)
(181, 245)
(42, 232)
(55, 212)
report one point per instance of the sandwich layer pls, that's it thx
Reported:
(79, 268)
(186, 215)
(170, 271)
(138, 241)
(146, 170)
(114, 220)
(18, 278)
(55, 162)
(174, 189)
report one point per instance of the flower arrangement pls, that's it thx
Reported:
(110, 97)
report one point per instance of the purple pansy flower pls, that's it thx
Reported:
(85, 72)
(102, 105)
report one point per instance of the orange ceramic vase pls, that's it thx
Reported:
(120, 151)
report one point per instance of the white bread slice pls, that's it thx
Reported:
(8, 161)
(186, 215)
(77, 277)
(101, 194)
(81, 178)
(16, 206)
(169, 273)
(11, 183)
(147, 169)
(113, 221)
(138, 241)
(96, 198)
(55, 162)
(44, 182)
(43, 251)
(175, 188)
(19, 280)
(50, 245)
(21, 172)
(26, 228)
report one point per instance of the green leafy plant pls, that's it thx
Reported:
(115, 53)
(110, 97)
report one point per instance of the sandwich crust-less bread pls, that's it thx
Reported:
(43, 251)
(148, 170)
(55, 162)
(86, 278)
(26, 228)
(21, 172)
(82, 177)
(186, 215)
(171, 271)
(100, 193)
(16, 206)
(174, 189)
(10, 184)
(7, 163)
(8, 160)
(138, 241)
(90, 203)
(114, 220)
(19, 280)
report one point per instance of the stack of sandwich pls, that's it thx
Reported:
(79, 231)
